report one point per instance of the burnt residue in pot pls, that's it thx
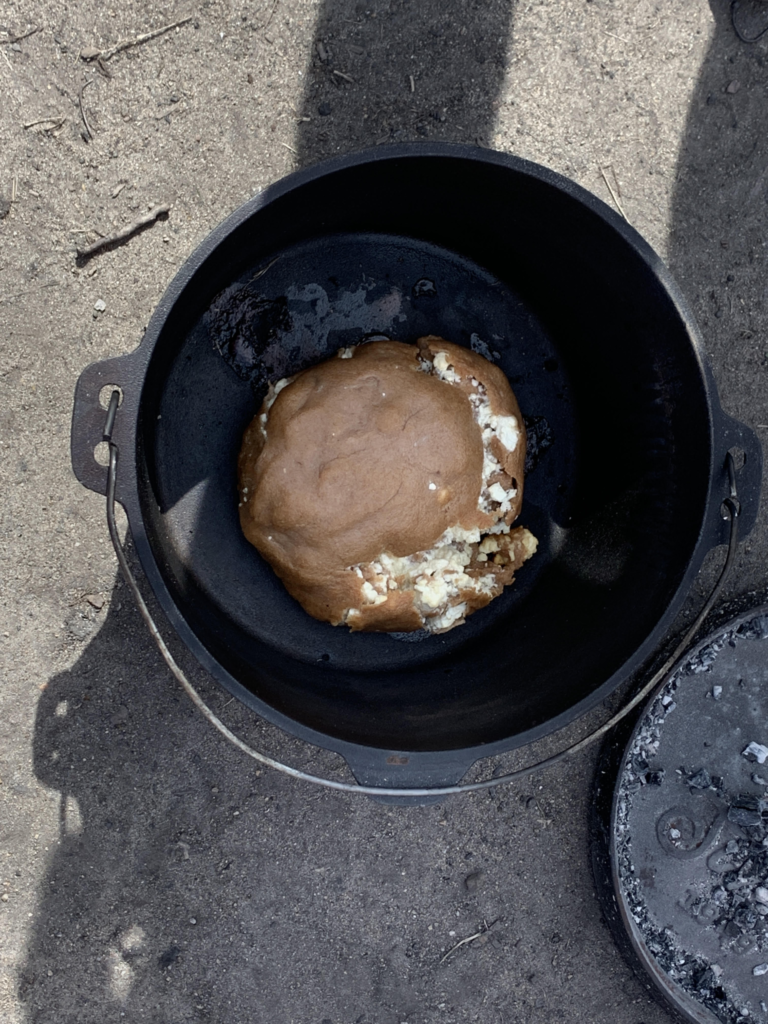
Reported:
(243, 325)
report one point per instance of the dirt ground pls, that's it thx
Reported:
(148, 872)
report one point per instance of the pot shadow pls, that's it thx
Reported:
(399, 70)
(719, 215)
(164, 830)
(188, 886)
(718, 226)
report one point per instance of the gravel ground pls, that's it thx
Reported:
(148, 872)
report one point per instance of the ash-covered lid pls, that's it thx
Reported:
(690, 829)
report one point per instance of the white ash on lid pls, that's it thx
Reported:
(692, 858)
(755, 752)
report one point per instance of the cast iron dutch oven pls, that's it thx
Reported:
(488, 251)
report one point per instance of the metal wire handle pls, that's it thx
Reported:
(731, 509)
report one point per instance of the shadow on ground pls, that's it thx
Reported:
(187, 886)
(720, 212)
(401, 70)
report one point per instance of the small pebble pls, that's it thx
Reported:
(121, 716)
(733, 87)
(473, 880)
(100, 305)
(717, 692)
(193, 920)
(324, 109)
(760, 969)
(4, 897)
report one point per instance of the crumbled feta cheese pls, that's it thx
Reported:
(507, 431)
(437, 577)
(443, 368)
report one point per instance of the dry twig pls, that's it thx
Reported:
(102, 55)
(346, 78)
(54, 122)
(123, 235)
(86, 83)
(17, 39)
(266, 24)
(263, 270)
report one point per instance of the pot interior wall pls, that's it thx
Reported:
(600, 359)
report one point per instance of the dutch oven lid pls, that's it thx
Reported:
(689, 829)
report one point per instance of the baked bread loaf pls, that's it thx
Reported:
(382, 485)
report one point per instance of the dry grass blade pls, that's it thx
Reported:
(615, 198)
(470, 938)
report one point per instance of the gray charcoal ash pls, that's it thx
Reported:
(745, 917)
(760, 969)
(705, 658)
(755, 629)
(700, 779)
(717, 692)
(759, 780)
(761, 894)
(654, 778)
(745, 811)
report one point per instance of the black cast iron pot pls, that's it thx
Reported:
(606, 361)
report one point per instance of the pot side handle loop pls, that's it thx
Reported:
(88, 417)
(734, 436)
